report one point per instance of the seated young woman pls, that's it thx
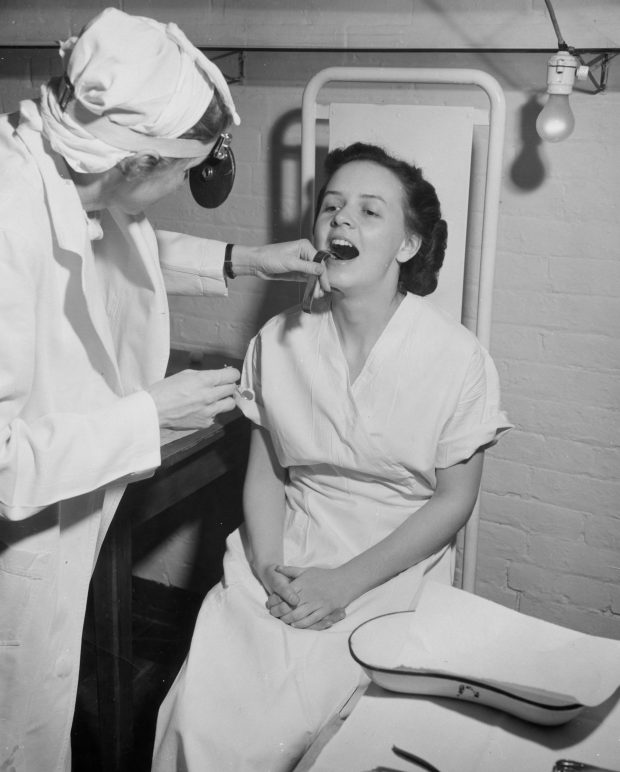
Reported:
(371, 417)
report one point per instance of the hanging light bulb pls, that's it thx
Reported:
(556, 122)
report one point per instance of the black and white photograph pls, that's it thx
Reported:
(309, 386)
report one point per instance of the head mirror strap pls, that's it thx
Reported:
(125, 138)
(66, 92)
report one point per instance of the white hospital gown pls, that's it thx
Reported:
(361, 458)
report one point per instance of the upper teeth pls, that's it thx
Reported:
(342, 241)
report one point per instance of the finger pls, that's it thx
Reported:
(324, 282)
(280, 610)
(217, 377)
(301, 271)
(328, 621)
(279, 605)
(215, 393)
(217, 399)
(308, 621)
(324, 624)
(315, 269)
(282, 587)
(221, 406)
(287, 596)
(311, 261)
(306, 250)
(298, 614)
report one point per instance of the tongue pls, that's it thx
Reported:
(344, 251)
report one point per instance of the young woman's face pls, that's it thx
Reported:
(363, 206)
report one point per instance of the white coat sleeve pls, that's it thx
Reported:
(191, 265)
(48, 456)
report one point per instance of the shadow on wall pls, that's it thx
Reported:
(288, 223)
(528, 170)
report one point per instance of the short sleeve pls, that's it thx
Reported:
(477, 420)
(251, 380)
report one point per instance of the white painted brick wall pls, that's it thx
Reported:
(516, 24)
(550, 507)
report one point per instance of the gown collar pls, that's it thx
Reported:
(408, 305)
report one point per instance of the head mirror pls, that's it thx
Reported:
(211, 181)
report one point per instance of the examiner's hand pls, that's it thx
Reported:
(192, 398)
(287, 261)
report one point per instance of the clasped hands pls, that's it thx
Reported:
(305, 598)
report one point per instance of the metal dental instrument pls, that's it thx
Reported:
(567, 765)
(339, 252)
(385, 769)
(414, 759)
(306, 303)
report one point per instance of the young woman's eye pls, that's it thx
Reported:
(329, 207)
(371, 212)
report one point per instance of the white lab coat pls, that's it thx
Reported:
(84, 328)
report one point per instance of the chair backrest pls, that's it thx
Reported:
(439, 140)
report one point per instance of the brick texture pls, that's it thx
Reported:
(550, 507)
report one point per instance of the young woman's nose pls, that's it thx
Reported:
(341, 217)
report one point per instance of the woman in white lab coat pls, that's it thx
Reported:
(371, 417)
(84, 336)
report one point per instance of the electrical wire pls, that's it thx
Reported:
(561, 42)
(603, 59)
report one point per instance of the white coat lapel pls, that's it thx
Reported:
(140, 327)
(70, 225)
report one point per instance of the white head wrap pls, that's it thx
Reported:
(136, 84)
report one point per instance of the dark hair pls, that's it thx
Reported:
(421, 209)
(214, 121)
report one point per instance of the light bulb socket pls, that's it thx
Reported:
(562, 69)
(561, 72)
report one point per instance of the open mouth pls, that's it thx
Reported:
(343, 250)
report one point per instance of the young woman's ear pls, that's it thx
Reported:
(409, 248)
(139, 164)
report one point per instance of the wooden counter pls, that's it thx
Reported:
(190, 461)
